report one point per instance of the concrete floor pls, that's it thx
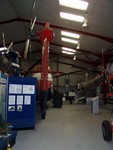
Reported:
(71, 128)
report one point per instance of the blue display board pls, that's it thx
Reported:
(21, 101)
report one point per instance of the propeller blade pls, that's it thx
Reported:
(28, 40)
(9, 47)
(32, 23)
(30, 50)
(32, 12)
(26, 48)
(32, 26)
(3, 37)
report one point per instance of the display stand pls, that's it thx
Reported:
(95, 105)
(21, 102)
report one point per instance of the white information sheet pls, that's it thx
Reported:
(11, 100)
(27, 100)
(19, 108)
(15, 89)
(11, 108)
(19, 99)
(28, 89)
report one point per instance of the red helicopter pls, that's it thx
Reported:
(45, 36)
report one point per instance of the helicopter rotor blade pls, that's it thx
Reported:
(26, 48)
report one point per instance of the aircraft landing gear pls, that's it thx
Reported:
(107, 130)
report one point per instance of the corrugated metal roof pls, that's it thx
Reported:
(100, 22)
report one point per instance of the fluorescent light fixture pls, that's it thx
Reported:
(71, 17)
(85, 22)
(69, 53)
(70, 34)
(69, 40)
(74, 58)
(68, 49)
(3, 48)
(78, 46)
(76, 4)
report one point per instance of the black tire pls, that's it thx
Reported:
(106, 130)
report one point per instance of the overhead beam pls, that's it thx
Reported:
(77, 66)
(73, 72)
(91, 61)
(73, 65)
(80, 50)
(105, 38)
(84, 61)
(84, 52)
(37, 62)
